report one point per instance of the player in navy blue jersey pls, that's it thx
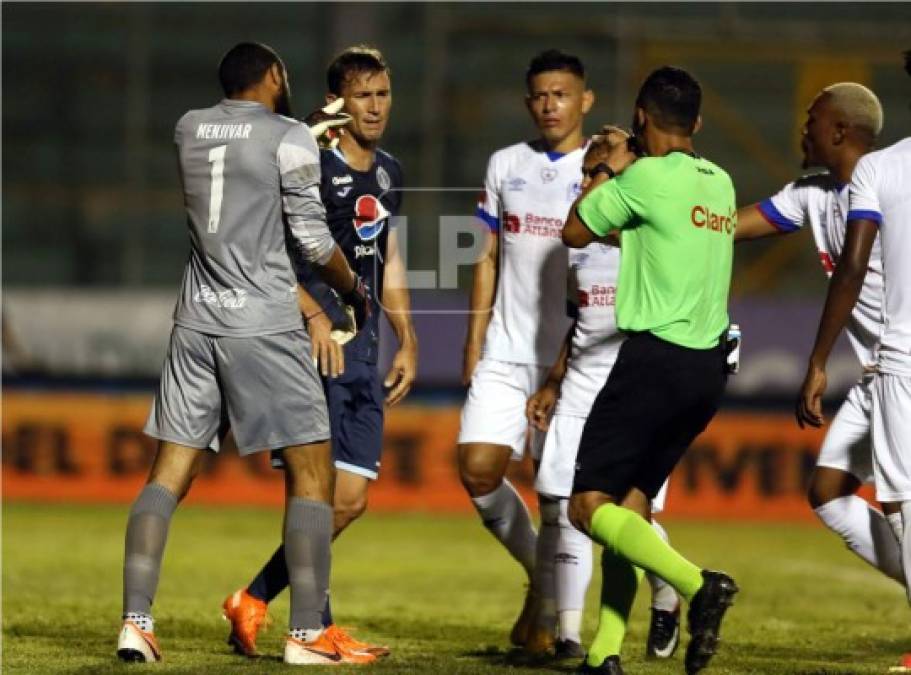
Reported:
(361, 189)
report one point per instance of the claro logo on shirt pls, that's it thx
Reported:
(703, 216)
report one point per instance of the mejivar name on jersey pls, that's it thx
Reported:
(224, 131)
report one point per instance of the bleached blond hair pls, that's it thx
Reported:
(860, 106)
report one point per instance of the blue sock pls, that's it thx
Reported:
(327, 613)
(272, 578)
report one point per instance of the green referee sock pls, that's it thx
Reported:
(619, 581)
(629, 535)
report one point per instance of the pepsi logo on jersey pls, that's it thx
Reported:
(369, 217)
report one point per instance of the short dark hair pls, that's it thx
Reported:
(554, 59)
(672, 97)
(353, 61)
(245, 65)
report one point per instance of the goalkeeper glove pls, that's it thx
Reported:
(326, 123)
(357, 304)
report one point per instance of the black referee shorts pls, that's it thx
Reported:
(658, 398)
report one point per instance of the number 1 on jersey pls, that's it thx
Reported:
(217, 160)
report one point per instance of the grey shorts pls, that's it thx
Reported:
(264, 388)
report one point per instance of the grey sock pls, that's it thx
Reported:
(147, 532)
(308, 537)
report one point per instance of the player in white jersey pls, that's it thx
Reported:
(238, 353)
(572, 384)
(879, 203)
(518, 322)
(842, 125)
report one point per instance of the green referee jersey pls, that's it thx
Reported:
(676, 216)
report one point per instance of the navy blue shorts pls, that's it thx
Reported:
(355, 402)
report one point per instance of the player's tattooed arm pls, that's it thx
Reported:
(327, 353)
(540, 406)
(751, 224)
(397, 307)
(844, 289)
(483, 289)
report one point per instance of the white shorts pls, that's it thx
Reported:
(892, 437)
(558, 461)
(495, 409)
(846, 446)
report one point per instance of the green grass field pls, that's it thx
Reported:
(436, 589)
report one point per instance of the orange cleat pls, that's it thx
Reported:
(346, 643)
(523, 626)
(323, 651)
(247, 615)
(135, 645)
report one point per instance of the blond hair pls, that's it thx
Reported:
(860, 106)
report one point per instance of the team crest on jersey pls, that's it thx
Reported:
(573, 190)
(548, 173)
(515, 184)
(382, 178)
(369, 217)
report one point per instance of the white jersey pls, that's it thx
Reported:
(881, 191)
(527, 194)
(820, 201)
(592, 295)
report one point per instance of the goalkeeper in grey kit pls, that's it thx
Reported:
(238, 354)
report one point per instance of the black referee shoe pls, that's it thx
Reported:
(568, 649)
(611, 666)
(704, 617)
(663, 634)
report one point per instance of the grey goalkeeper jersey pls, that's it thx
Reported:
(247, 174)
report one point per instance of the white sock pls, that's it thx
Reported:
(895, 522)
(573, 572)
(866, 531)
(543, 581)
(144, 621)
(306, 634)
(906, 543)
(506, 516)
(570, 621)
(664, 597)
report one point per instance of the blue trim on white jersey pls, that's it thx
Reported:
(492, 221)
(553, 155)
(857, 214)
(773, 215)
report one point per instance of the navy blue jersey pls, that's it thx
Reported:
(358, 209)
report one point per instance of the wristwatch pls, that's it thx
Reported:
(601, 167)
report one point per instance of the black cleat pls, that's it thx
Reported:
(611, 666)
(704, 617)
(663, 634)
(568, 649)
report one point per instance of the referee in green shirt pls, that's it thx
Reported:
(674, 213)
